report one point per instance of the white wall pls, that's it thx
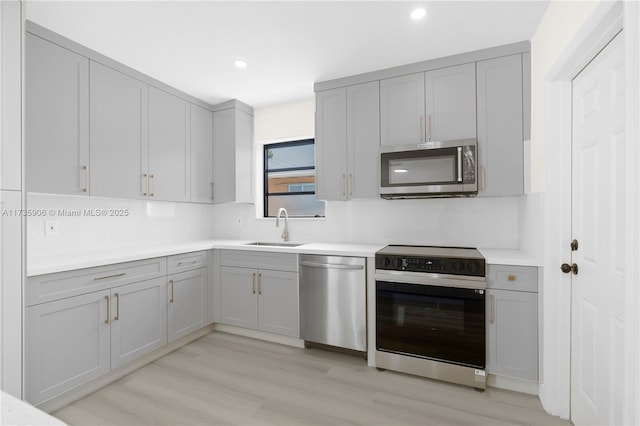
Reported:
(556, 30)
(480, 222)
(147, 223)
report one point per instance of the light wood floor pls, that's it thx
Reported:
(222, 379)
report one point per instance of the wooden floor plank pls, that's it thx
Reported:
(224, 379)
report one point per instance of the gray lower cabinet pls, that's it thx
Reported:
(67, 344)
(71, 341)
(139, 320)
(169, 154)
(119, 134)
(512, 321)
(187, 307)
(348, 124)
(56, 118)
(84, 323)
(500, 126)
(260, 291)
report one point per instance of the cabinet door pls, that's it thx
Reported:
(451, 103)
(363, 139)
(201, 155)
(500, 126)
(187, 303)
(402, 110)
(232, 156)
(331, 144)
(138, 320)
(119, 140)
(278, 302)
(56, 118)
(169, 173)
(67, 344)
(512, 329)
(238, 297)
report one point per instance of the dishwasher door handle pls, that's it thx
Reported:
(331, 265)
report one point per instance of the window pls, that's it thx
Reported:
(290, 179)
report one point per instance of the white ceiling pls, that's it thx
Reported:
(289, 45)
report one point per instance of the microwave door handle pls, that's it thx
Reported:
(459, 164)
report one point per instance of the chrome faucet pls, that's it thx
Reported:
(285, 232)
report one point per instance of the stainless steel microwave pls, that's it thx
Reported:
(431, 169)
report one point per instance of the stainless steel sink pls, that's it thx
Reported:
(273, 244)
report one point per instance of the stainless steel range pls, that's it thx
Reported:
(430, 312)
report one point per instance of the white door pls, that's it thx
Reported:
(598, 214)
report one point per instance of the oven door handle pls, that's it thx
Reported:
(331, 265)
(459, 164)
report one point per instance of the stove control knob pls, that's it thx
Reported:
(458, 266)
(387, 262)
(473, 267)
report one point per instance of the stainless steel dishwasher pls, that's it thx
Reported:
(333, 301)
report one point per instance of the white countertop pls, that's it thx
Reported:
(509, 257)
(71, 261)
(16, 412)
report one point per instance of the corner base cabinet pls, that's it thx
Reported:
(256, 295)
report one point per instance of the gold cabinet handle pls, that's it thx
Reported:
(350, 185)
(117, 307)
(343, 186)
(153, 185)
(421, 129)
(145, 177)
(106, 321)
(259, 283)
(429, 126)
(492, 302)
(122, 274)
(511, 277)
(253, 283)
(483, 178)
(211, 191)
(86, 178)
(171, 299)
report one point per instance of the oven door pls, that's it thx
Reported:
(437, 168)
(440, 323)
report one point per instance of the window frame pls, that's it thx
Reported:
(265, 174)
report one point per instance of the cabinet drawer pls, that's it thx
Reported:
(44, 288)
(187, 261)
(518, 278)
(260, 260)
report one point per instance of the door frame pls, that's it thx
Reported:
(555, 380)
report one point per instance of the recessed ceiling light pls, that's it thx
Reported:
(239, 63)
(418, 13)
(401, 171)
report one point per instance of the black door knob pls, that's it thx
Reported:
(566, 268)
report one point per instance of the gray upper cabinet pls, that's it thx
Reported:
(436, 105)
(119, 140)
(363, 139)
(201, 155)
(169, 128)
(232, 145)
(402, 107)
(331, 144)
(500, 126)
(57, 121)
(450, 103)
(348, 123)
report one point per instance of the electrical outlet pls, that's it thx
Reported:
(51, 227)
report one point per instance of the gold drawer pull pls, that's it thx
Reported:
(511, 277)
(110, 276)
